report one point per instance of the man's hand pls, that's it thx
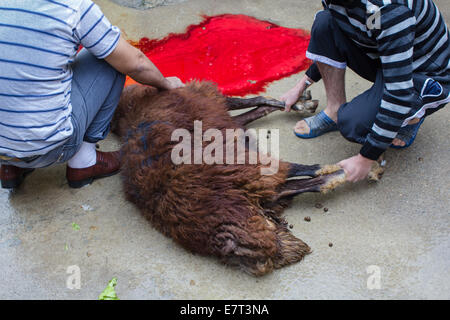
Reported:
(292, 96)
(356, 168)
(174, 83)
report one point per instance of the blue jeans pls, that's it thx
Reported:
(96, 90)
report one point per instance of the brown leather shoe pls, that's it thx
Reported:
(108, 164)
(12, 177)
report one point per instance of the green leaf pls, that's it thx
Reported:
(75, 226)
(109, 293)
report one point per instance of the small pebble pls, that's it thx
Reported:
(308, 219)
(192, 283)
(325, 209)
(87, 207)
(318, 205)
(420, 159)
(88, 254)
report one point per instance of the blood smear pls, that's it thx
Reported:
(239, 53)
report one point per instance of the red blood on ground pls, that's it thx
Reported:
(239, 53)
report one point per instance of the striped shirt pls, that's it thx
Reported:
(408, 37)
(38, 42)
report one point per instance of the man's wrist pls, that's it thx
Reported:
(364, 159)
(303, 84)
(371, 152)
(165, 85)
(308, 81)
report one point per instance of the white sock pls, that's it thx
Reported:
(85, 157)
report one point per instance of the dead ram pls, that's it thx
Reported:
(232, 212)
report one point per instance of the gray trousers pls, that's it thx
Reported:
(96, 90)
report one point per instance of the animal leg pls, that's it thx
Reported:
(300, 170)
(303, 105)
(252, 115)
(318, 184)
(325, 178)
(335, 176)
(242, 103)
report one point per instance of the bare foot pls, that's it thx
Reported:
(400, 143)
(414, 121)
(302, 127)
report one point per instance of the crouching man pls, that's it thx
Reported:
(56, 104)
(402, 47)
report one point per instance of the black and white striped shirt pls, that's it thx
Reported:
(408, 37)
(38, 42)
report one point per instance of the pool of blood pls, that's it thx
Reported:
(241, 54)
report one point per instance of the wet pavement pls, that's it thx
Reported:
(396, 231)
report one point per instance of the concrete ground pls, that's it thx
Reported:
(400, 225)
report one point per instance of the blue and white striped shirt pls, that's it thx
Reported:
(411, 38)
(38, 42)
